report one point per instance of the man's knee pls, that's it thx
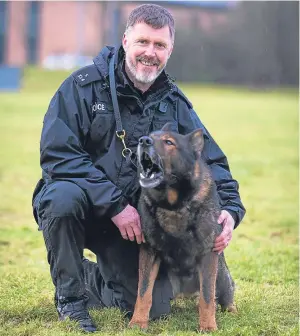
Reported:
(63, 199)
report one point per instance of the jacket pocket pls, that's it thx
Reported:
(101, 125)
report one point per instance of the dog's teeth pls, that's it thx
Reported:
(152, 175)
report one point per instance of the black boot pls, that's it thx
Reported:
(75, 309)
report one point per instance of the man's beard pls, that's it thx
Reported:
(144, 77)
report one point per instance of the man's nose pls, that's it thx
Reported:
(150, 50)
(145, 141)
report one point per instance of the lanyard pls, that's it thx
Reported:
(120, 132)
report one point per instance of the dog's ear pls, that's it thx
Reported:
(167, 127)
(197, 140)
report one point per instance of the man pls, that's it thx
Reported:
(88, 192)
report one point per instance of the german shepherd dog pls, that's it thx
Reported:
(179, 211)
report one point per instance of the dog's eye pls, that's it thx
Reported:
(169, 142)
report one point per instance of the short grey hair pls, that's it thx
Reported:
(153, 15)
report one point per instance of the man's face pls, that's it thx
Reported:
(147, 51)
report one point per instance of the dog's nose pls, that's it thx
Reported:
(145, 141)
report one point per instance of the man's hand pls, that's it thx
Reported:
(129, 224)
(224, 238)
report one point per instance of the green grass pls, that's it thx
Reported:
(258, 130)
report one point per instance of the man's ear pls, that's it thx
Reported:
(124, 41)
(197, 140)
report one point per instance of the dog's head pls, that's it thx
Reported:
(169, 158)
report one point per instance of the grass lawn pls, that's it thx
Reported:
(258, 130)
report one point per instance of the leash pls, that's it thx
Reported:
(120, 132)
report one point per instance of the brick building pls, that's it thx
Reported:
(36, 30)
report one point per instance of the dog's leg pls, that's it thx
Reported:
(225, 287)
(148, 269)
(207, 276)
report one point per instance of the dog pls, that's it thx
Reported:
(179, 210)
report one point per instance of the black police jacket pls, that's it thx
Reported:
(79, 143)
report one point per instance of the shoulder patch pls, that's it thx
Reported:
(179, 93)
(87, 75)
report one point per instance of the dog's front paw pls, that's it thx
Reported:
(141, 324)
(208, 326)
(232, 309)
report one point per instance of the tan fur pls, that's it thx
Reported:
(144, 303)
(207, 311)
(197, 170)
(172, 196)
(204, 190)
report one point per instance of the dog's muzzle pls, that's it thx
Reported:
(149, 164)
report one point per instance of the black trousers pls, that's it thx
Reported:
(65, 216)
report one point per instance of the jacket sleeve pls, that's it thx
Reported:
(62, 155)
(227, 187)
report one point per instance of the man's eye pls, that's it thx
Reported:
(169, 142)
(160, 45)
(142, 41)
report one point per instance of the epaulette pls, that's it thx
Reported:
(86, 75)
(179, 93)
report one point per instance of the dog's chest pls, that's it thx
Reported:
(180, 237)
(169, 235)
(173, 222)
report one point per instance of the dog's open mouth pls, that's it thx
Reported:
(151, 172)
